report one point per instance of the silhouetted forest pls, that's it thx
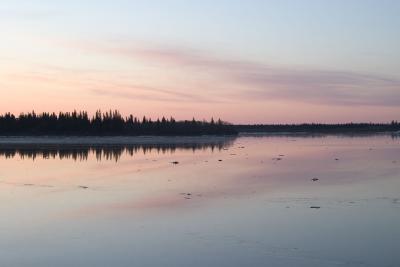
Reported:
(321, 128)
(110, 123)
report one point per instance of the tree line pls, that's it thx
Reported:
(321, 128)
(108, 123)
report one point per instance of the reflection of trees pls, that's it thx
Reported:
(103, 152)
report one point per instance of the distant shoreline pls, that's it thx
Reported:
(316, 134)
(177, 139)
(348, 128)
(75, 140)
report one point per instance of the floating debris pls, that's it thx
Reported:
(175, 162)
(83, 187)
(314, 179)
(186, 195)
(315, 207)
(220, 160)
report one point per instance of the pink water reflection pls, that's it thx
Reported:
(241, 205)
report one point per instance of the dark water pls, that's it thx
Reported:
(249, 201)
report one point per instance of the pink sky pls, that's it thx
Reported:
(55, 61)
(158, 81)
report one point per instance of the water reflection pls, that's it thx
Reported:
(238, 206)
(81, 152)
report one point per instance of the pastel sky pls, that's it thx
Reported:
(247, 61)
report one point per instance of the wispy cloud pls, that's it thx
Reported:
(258, 81)
(101, 83)
(140, 92)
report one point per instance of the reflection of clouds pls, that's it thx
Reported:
(152, 202)
(252, 173)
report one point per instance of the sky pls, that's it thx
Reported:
(254, 61)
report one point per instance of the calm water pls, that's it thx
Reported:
(248, 201)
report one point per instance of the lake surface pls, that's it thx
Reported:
(246, 201)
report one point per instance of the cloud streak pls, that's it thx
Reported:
(137, 92)
(99, 83)
(262, 82)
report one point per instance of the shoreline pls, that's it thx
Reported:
(113, 140)
(9, 141)
(317, 134)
